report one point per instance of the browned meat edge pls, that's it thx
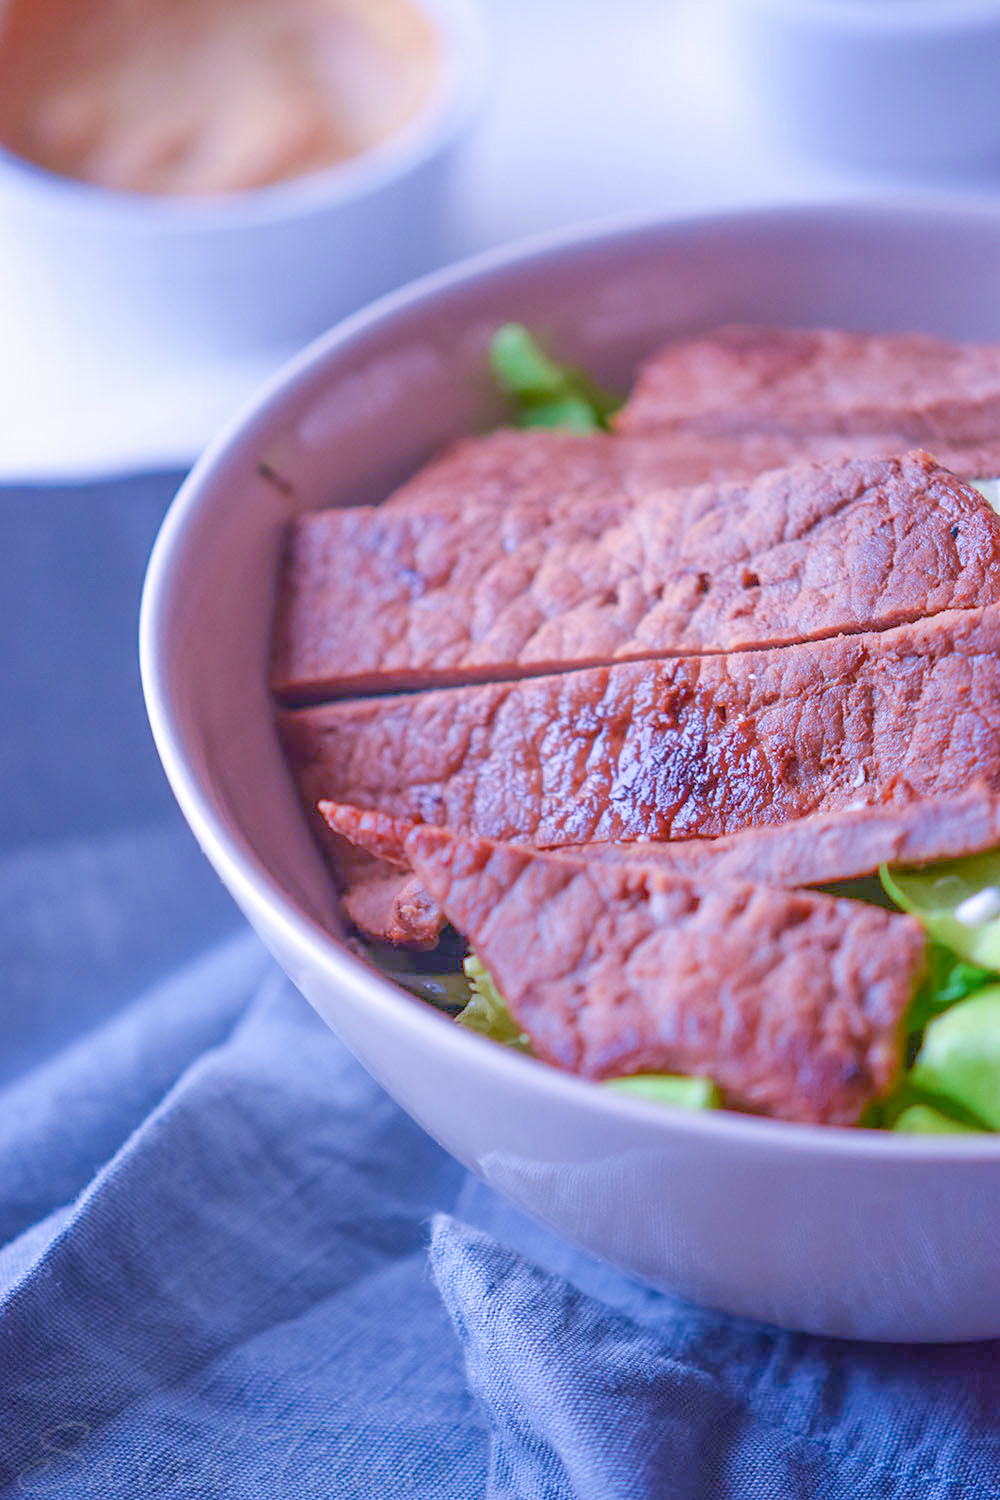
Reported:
(561, 471)
(808, 851)
(694, 747)
(738, 379)
(375, 599)
(792, 1003)
(392, 907)
(832, 846)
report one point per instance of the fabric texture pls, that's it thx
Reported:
(231, 1267)
(621, 1392)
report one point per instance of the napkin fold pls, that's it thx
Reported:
(61, 1121)
(214, 1274)
(650, 1397)
(238, 1304)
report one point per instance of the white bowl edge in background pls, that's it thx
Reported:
(905, 84)
(125, 303)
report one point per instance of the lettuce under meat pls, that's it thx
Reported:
(542, 392)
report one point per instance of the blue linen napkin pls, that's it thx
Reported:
(230, 1266)
(619, 1392)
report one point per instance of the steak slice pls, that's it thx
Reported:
(374, 599)
(379, 835)
(688, 747)
(557, 471)
(543, 468)
(393, 907)
(818, 850)
(743, 379)
(828, 847)
(792, 1003)
(379, 892)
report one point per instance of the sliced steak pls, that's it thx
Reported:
(558, 471)
(792, 1003)
(392, 906)
(378, 890)
(970, 461)
(370, 830)
(544, 468)
(742, 379)
(817, 850)
(373, 599)
(687, 747)
(831, 846)
(381, 897)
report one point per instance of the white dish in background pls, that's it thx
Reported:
(887, 83)
(846, 1232)
(146, 293)
(663, 127)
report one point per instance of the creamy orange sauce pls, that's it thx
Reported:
(207, 96)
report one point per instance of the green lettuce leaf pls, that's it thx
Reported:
(958, 1065)
(924, 1119)
(669, 1088)
(487, 1010)
(947, 979)
(958, 902)
(542, 392)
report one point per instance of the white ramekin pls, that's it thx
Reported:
(171, 281)
(897, 83)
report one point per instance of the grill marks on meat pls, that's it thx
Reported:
(684, 748)
(375, 599)
(799, 381)
(792, 1003)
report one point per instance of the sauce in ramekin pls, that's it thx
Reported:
(207, 96)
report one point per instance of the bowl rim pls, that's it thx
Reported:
(247, 876)
(897, 19)
(463, 38)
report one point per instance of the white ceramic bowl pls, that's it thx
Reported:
(174, 281)
(897, 83)
(836, 1231)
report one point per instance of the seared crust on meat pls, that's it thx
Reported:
(373, 599)
(831, 846)
(683, 748)
(791, 1003)
(818, 850)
